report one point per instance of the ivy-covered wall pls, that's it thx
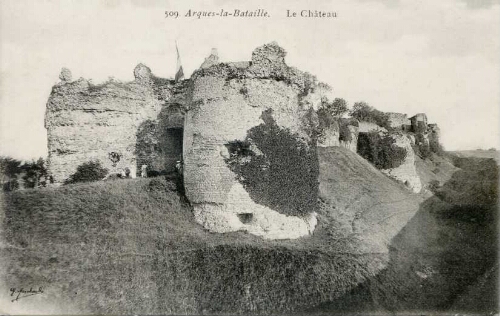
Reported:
(277, 169)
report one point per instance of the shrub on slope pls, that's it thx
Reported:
(380, 150)
(88, 172)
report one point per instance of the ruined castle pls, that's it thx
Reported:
(245, 132)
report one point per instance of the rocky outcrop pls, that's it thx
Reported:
(238, 121)
(406, 172)
(65, 75)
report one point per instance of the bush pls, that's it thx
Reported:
(160, 185)
(363, 112)
(11, 185)
(10, 167)
(380, 150)
(436, 147)
(35, 174)
(422, 148)
(88, 172)
(425, 151)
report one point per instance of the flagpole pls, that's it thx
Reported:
(179, 73)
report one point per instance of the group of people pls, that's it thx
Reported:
(178, 169)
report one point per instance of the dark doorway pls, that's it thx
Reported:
(173, 147)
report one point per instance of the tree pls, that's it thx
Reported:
(10, 168)
(323, 89)
(363, 112)
(336, 108)
(35, 173)
(339, 107)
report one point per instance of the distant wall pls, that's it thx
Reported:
(398, 120)
(419, 123)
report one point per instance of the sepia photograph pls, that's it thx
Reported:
(230, 157)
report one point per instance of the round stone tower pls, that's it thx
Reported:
(249, 150)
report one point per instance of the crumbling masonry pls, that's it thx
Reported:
(245, 132)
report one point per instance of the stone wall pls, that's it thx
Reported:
(88, 122)
(335, 132)
(328, 129)
(419, 123)
(398, 120)
(235, 108)
(366, 127)
(330, 136)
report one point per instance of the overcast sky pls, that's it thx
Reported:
(438, 57)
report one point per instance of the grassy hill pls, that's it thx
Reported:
(132, 246)
(436, 168)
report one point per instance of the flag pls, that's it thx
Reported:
(179, 73)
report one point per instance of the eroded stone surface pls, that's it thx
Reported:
(406, 172)
(330, 137)
(65, 75)
(261, 221)
(211, 60)
(366, 127)
(89, 122)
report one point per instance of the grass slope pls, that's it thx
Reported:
(436, 168)
(445, 259)
(359, 201)
(131, 246)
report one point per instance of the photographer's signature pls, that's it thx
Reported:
(19, 293)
